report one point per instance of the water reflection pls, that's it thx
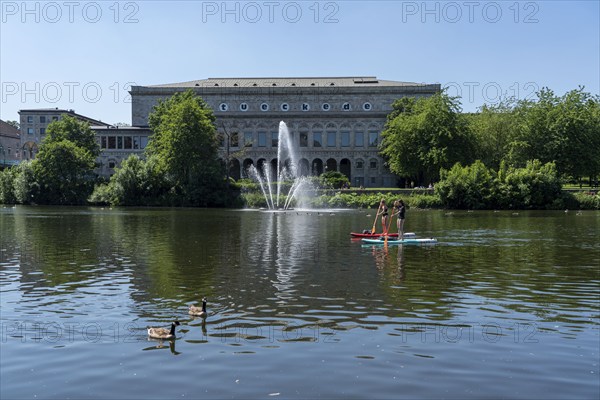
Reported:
(290, 289)
(160, 345)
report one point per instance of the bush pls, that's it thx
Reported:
(26, 187)
(7, 186)
(536, 186)
(467, 187)
(333, 179)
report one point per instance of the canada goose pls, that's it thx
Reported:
(163, 333)
(197, 311)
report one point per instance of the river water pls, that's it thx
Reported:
(505, 305)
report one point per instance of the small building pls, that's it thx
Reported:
(34, 123)
(117, 143)
(10, 144)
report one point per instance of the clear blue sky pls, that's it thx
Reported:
(82, 55)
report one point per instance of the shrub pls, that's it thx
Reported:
(7, 186)
(467, 187)
(333, 179)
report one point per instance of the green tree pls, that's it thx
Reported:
(65, 163)
(26, 186)
(71, 129)
(421, 136)
(7, 186)
(333, 179)
(469, 187)
(564, 130)
(184, 148)
(494, 128)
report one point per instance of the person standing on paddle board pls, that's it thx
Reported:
(400, 212)
(383, 211)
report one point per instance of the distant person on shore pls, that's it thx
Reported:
(400, 213)
(383, 211)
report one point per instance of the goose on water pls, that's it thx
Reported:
(163, 333)
(199, 311)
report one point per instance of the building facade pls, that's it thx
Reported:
(34, 123)
(117, 143)
(10, 144)
(335, 123)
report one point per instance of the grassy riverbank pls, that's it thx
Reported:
(414, 198)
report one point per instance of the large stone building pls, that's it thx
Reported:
(335, 123)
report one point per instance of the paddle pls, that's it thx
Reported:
(387, 231)
(376, 216)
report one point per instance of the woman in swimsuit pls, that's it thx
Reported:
(400, 210)
(383, 211)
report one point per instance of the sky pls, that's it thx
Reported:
(84, 55)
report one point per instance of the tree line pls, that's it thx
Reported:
(477, 160)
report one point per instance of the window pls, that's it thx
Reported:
(373, 181)
(331, 139)
(359, 139)
(136, 142)
(234, 140)
(119, 142)
(112, 142)
(112, 164)
(143, 142)
(317, 139)
(373, 164)
(42, 119)
(30, 131)
(248, 139)
(373, 139)
(360, 164)
(274, 139)
(262, 139)
(345, 139)
(103, 142)
(303, 139)
(54, 118)
(128, 142)
(221, 139)
(42, 131)
(30, 119)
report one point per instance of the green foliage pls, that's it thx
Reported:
(7, 186)
(333, 179)
(584, 201)
(475, 187)
(421, 136)
(71, 129)
(25, 186)
(102, 195)
(533, 187)
(64, 172)
(184, 149)
(467, 187)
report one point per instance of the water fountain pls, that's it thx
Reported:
(285, 172)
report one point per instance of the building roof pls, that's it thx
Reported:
(7, 129)
(357, 81)
(63, 111)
